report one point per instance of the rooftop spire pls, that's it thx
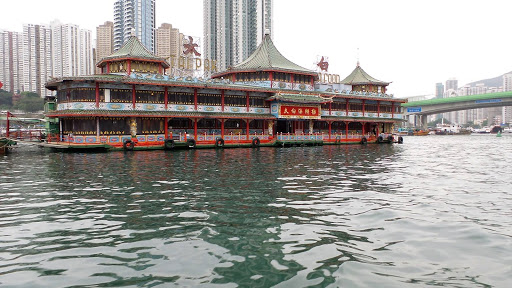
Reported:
(358, 57)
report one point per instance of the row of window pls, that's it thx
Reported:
(276, 76)
(370, 108)
(155, 97)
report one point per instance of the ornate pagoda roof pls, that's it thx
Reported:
(360, 77)
(134, 49)
(267, 58)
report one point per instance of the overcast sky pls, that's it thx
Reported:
(413, 44)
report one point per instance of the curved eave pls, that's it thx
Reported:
(281, 70)
(367, 83)
(103, 61)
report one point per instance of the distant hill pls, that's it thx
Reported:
(492, 82)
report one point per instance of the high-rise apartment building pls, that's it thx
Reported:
(134, 17)
(71, 50)
(104, 41)
(234, 28)
(37, 58)
(439, 90)
(451, 84)
(11, 61)
(169, 41)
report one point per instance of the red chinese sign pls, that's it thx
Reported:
(301, 112)
(190, 47)
(324, 65)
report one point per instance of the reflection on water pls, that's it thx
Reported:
(433, 211)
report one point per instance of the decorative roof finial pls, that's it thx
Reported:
(267, 32)
(358, 57)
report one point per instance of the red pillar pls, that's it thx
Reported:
(378, 109)
(195, 128)
(133, 96)
(346, 108)
(247, 100)
(364, 102)
(108, 68)
(129, 67)
(97, 94)
(392, 110)
(346, 130)
(330, 107)
(166, 127)
(195, 99)
(293, 80)
(329, 129)
(7, 128)
(271, 77)
(222, 128)
(166, 98)
(247, 128)
(222, 101)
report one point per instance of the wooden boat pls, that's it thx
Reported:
(6, 144)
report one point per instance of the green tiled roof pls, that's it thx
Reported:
(360, 77)
(267, 57)
(133, 48)
(299, 98)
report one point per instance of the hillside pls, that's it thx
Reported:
(491, 82)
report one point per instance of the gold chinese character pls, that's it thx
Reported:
(294, 111)
(285, 111)
(300, 110)
(307, 111)
(313, 111)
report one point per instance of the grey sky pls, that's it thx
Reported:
(413, 44)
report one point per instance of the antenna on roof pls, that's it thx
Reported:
(357, 56)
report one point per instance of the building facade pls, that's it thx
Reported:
(37, 58)
(11, 61)
(137, 18)
(169, 42)
(234, 29)
(71, 50)
(104, 41)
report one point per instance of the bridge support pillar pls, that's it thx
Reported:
(423, 122)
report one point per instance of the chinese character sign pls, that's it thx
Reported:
(301, 112)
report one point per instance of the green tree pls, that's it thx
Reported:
(30, 102)
(5, 99)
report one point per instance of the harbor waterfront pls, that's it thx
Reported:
(434, 211)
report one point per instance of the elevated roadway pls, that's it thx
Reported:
(442, 105)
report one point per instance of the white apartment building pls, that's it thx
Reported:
(37, 58)
(234, 28)
(134, 17)
(11, 61)
(71, 50)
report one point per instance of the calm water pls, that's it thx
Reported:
(435, 211)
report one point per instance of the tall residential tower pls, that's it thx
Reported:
(134, 17)
(11, 61)
(104, 41)
(234, 28)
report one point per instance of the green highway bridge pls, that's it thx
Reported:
(423, 108)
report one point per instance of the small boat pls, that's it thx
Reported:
(5, 145)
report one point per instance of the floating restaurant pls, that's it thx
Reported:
(266, 100)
